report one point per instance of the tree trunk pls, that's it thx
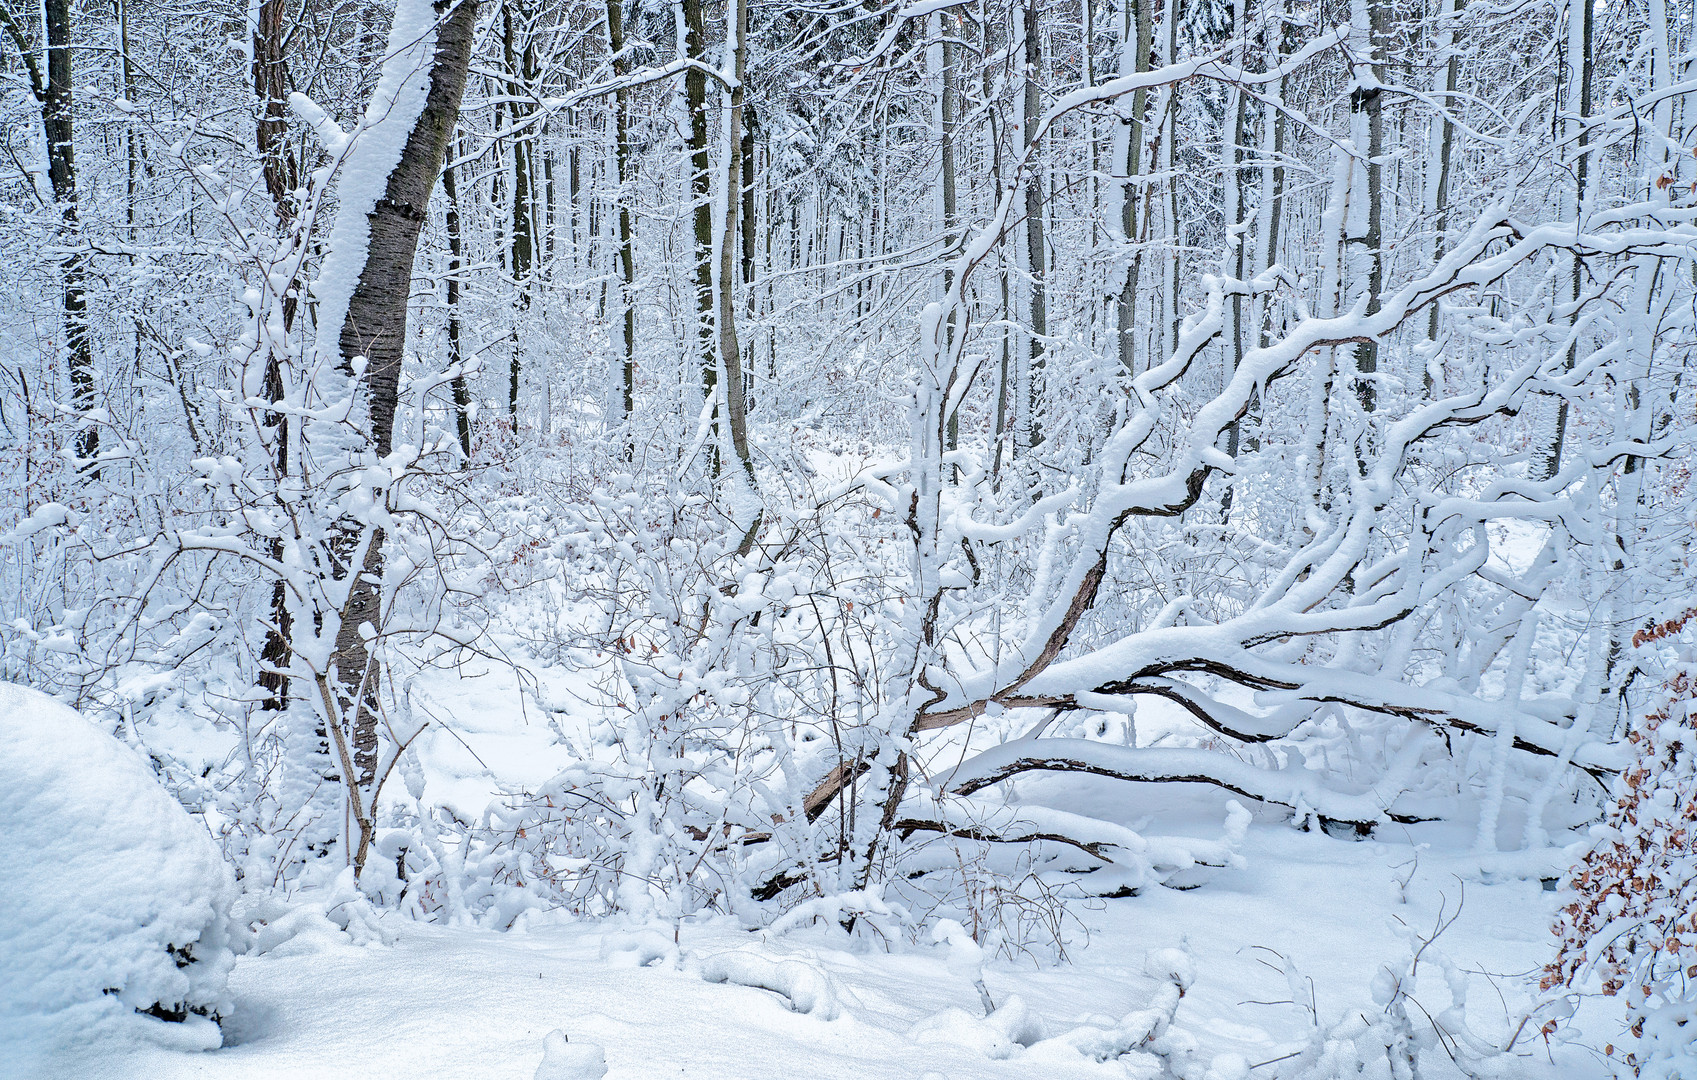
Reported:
(58, 129)
(701, 188)
(375, 329)
(1365, 269)
(730, 352)
(1547, 458)
(1135, 45)
(271, 88)
(520, 61)
(456, 350)
(1035, 246)
(627, 236)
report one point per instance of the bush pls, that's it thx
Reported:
(1632, 918)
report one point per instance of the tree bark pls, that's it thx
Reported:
(1547, 459)
(1364, 279)
(271, 88)
(627, 236)
(54, 95)
(701, 188)
(730, 352)
(1035, 245)
(375, 328)
(520, 62)
(456, 350)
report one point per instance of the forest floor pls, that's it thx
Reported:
(470, 1004)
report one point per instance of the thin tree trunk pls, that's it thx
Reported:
(1547, 458)
(1135, 45)
(520, 61)
(54, 94)
(456, 349)
(1439, 205)
(1365, 267)
(730, 352)
(701, 190)
(270, 86)
(627, 234)
(1035, 246)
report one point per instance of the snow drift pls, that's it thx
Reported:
(114, 902)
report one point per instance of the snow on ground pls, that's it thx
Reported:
(456, 1003)
(452, 1003)
(112, 898)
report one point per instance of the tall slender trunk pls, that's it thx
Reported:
(748, 223)
(456, 349)
(520, 61)
(1035, 246)
(940, 58)
(1547, 457)
(375, 328)
(627, 234)
(1135, 45)
(270, 86)
(1365, 265)
(730, 351)
(58, 128)
(701, 191)
(1438, 163)
(1004, 380)
(1170, 308)
(1271, 209)
(1231, 181)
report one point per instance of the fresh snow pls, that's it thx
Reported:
(722, 1003)
(101, 872)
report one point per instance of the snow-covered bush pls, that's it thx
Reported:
(114, 902)
(1632, 918)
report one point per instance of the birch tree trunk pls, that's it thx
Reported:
(1364, 265)
(374, 330)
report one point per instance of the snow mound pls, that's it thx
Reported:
(566, 1060)
(114, 902)
(999, 1035)
(805, 988)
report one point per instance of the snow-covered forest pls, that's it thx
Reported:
(952, 538)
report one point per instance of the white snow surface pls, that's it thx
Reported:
(456, 1002)
(101, 872)
(563, 1059)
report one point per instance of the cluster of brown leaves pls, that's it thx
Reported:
(1637, 885)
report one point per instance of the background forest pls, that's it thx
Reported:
(860, 436)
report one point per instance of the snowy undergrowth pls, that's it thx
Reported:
(1279, 979)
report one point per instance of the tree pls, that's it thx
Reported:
(56, 97)
(406, 138)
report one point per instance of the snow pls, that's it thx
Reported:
(563, 1059)
(458, 1002)
(104, 872)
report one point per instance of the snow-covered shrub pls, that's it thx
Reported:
(114, 902)
(1632, 917)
